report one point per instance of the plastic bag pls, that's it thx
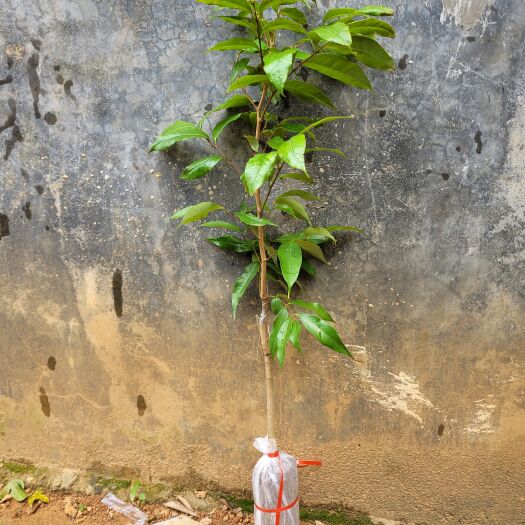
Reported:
(275, 486)
(131, 512)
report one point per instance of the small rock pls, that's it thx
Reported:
(65, 480)
(69, 509)
(201, 494)
(206, 521)
(226, 518)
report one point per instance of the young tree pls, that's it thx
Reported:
(264, 73)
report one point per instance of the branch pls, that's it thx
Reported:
(270, 187)
(226, 158)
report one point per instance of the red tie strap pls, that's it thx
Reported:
(308, 463)
(280, 508)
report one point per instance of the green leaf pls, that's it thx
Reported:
(246, 80)
(232, 243)
(15, 487)
(177, 132)
(290, 258)
(133, 490)
(37, 495)
(277, 66)
(339, 12)
(319, 231)
(376, 10)
(239, 66)
(277, 305)
(275, 142)
(272, 4)
(306, 195)
(252, 220)
(200, 167)
(337, 228)
(308, 267)
(282, 338)
(337, 33)
(295, 333)
(314, 307)
(288, 204)
(313, 249)
(241, 5)
(240, 21)
(292, 152)
(253, 143)
(339, 68)
(324, 120)
(294, 14)
(258, 170)
(369, 52)
(284, 23)
(196, 212)
(331, 150)
(371, 26)
(221, 224)
(306, 91)
(302, 177)
(276, 338)
(291, 237)
(325, 333)
(219, 128)
(237, 101)
(242, 283)
(241, 44)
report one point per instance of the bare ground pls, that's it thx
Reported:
(90, 511)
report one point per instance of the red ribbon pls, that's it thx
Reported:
(280, 508)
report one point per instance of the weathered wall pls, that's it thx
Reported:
(429, 426)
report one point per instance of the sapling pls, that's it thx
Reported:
(270, 60)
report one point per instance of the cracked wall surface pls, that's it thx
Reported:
(118, 349)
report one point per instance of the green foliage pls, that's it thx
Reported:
(15, 488)
(200, 167)
(242, 283)
(135, 492)
(342, 48)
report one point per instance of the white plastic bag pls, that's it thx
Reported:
(131, 512)
(275, 486)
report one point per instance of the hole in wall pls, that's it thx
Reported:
(26, 208)
(117, 292)
(441, 429)
(402, 64)
(4, 225)
(51, 363)
(141, 405)
(44, 403)
(479, 143)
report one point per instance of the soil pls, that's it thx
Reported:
(95, 513)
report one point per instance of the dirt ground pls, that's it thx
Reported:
(90, 511)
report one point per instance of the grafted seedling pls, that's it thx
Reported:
(263, 73)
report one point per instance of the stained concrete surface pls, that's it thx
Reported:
(118, 350)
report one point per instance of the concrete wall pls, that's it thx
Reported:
(428, 426)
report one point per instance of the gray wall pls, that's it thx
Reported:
(428, 425)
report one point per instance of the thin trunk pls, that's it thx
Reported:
(263, 294)
(263, 326)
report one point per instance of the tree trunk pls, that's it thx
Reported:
(263, 325)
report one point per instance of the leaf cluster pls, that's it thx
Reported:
(263, 72)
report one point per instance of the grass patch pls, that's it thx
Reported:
(114, 483)
(19, 468)
(335, 516)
